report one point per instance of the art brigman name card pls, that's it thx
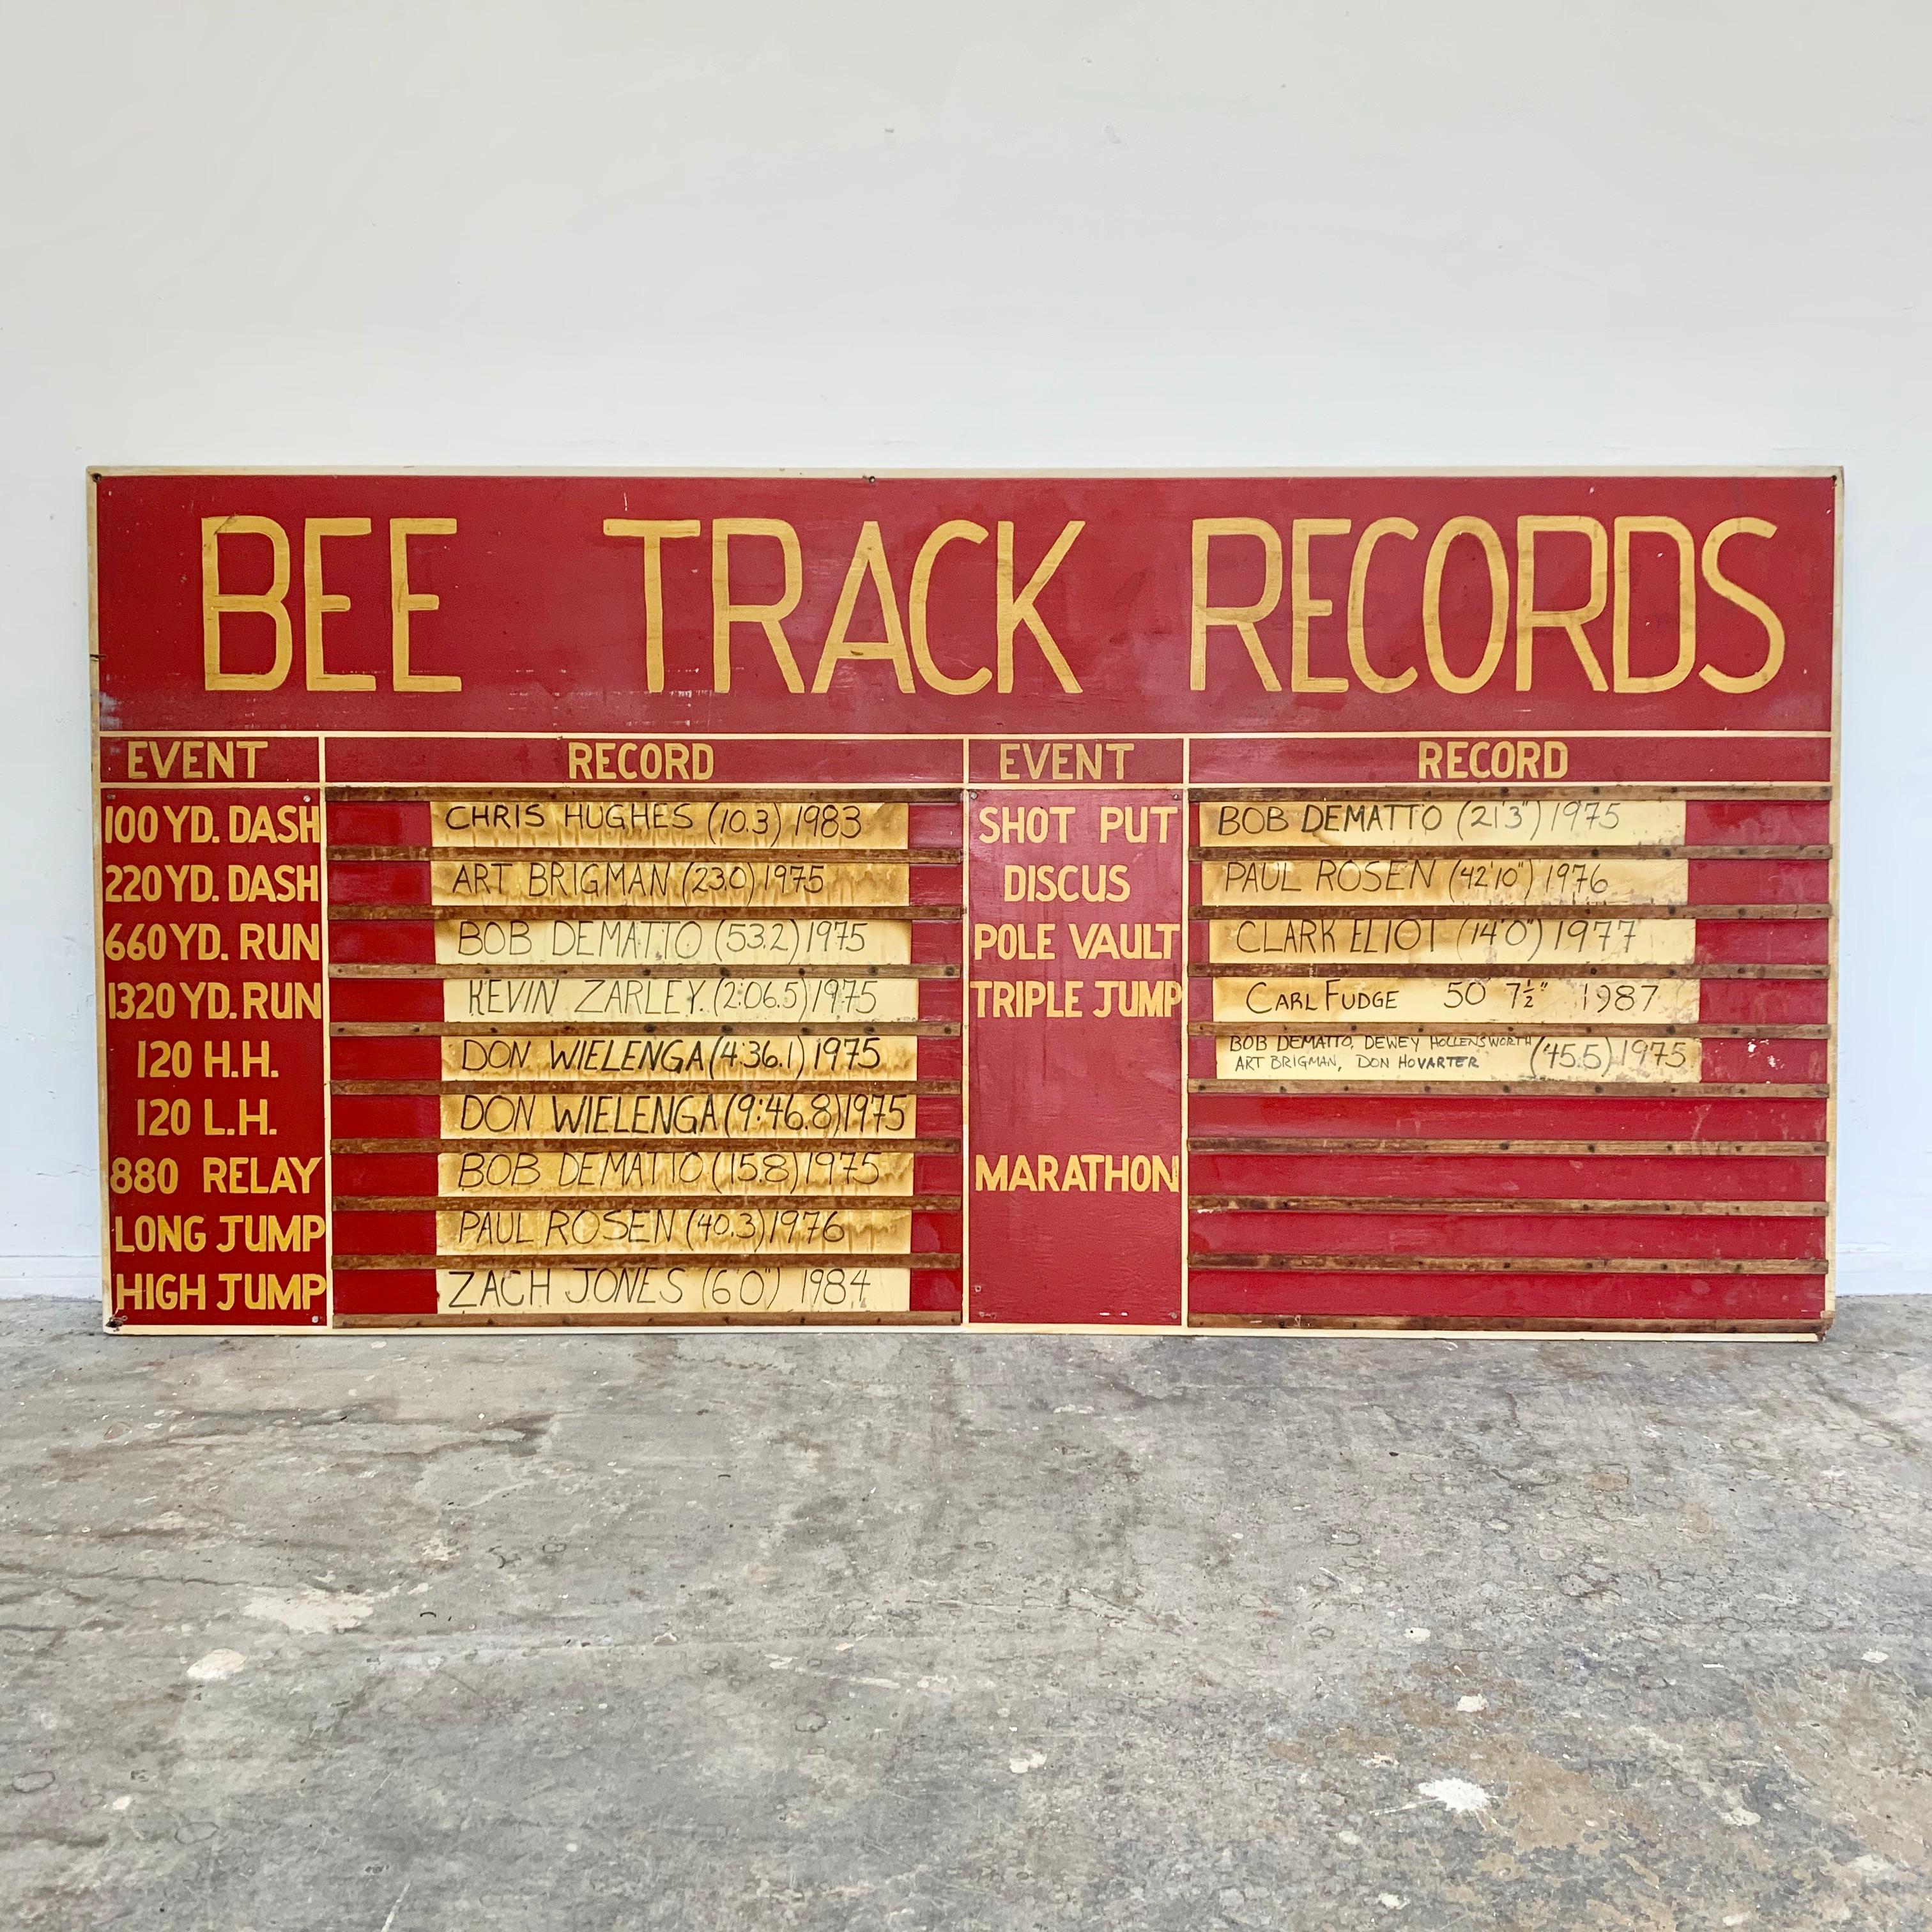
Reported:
(1241, 902)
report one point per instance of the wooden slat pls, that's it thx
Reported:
(1236, 914)
(1523, 1326)
(1349, 968)
(1253, 1144)
(916, 1318)
(1217, 1263)
(710, 1029)
(681, 792)
(348, 911)
(433, 969)
(1327, 848)
(1526, 1089)
(634, 1143)
(785, 1084)
(643, 852)
(1717, 792)
(1457, 1204)
(590, 1258)
(1475, 1027)
(445, 1204)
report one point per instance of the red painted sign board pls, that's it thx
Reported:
(1254, 902)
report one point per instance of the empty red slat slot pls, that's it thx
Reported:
(387, 942)
(935, 1234)
(935, 942)
(1757, 821)
(1514, 1297)
(384, 1234)
(932, 824)
(1760, 882)
(385, 999)
(390, 1173)
(933, 1173)
(1764, 1002)
(939, 1059)
(384, 1291)
(379, 882)
(1773, 1061)
(374, 823)
(941, 999)
(411, 1057)
(1618, 1237)
(1766, 942)
(384, 1117)
(935, 885)
(934, 1289)
(1505, 1177)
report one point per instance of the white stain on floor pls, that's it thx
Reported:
(313, 1612)
(217, 1665)
(1456, 1794)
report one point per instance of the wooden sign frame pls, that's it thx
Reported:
(1235, 904)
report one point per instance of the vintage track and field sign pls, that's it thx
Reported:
(1206, 902)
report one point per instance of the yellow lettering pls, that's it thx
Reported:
(403, 601)
(1302, 607)
(869, 559)
(316, 602)
(1015, 611)
(769, 617)
(1687, 605)
(1243, 618)
(655, 532)
(958, 531)
(1773, 629)
(216, 603)
(1431, 602)
(1529, 620)
(1358, 594)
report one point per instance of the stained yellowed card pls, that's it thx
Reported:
(723, 1228)
(1446, 880)
(512, 1172)
(1332, 1001)
(1469, 821)
(780, 940)
(737, 824)
(774, 1113)
(694, 1290)
(1496, 939)
(573, 882)
(680, 1056)
(1298, 1053)
(754, 998)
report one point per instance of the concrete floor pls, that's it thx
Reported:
(878, 1633)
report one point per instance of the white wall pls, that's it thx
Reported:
(878, 233)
